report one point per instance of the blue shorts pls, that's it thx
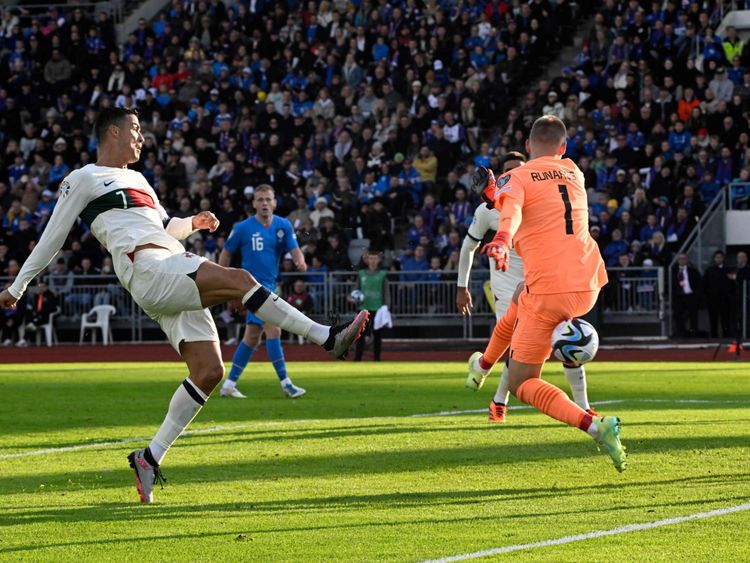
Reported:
(251, 319)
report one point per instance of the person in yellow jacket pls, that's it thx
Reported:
(426, 165)
(732, 44)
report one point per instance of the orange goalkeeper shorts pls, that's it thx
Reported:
(538, 315)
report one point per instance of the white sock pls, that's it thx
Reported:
(502, 394)
(593, 431)
(285, 381)
(185, 404)
(229, 384)
(577, 380)
(274, 310)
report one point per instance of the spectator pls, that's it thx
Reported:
(616, 248)
(417, 231)
(58, 71)
(300, 297)
(658, 251)
(378, 226)
(299, 215)
(718, 288)
(432, 213)
(678, 230)
(651, 227)
(12, 219)
(721, 86)
(426, 165)
(41, 306)
(321, 210)
(411, 181)
(415, 264)
(460, 210)
(335, 257)
(732, 44)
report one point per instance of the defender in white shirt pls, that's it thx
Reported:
(504, 286)
(173, 287)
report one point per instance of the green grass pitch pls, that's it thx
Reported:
(348, 474)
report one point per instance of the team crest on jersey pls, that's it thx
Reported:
(280, 234)
(64, 188)
(501, 187)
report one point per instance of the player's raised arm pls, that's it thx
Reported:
(509, 196)
(511, 213)
(72, 199)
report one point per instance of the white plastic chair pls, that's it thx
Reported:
(50, 334)
(98, 317)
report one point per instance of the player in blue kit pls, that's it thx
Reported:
(263, 240)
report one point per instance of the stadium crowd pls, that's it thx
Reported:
(369, 117)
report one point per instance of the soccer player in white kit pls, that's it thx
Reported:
(173, 287)
(503, 286)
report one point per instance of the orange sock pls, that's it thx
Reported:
(500, 339)
(553, 402)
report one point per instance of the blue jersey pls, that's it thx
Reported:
(262, 247)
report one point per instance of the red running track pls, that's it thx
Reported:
(309, 352)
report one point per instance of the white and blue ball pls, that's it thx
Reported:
(358, 297)
(575, 342)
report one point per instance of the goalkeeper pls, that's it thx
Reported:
(503, 286)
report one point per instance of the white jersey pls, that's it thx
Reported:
(122, 211)
(503, 284)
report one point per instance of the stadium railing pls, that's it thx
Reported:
(633, 303)
(422, 303)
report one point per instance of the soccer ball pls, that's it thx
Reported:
(358, 297)
(575, 342)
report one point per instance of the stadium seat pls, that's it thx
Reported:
(100, 315)
(50, 334)
(357, 248)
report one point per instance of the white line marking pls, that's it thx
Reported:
(214, 429)
(594, 535)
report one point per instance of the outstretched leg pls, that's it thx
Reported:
(217, 284)
(530, 347)
(526, 384)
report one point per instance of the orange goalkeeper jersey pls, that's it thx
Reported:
(545, 210)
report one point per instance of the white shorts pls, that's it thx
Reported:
(503, 284)
(163, 284)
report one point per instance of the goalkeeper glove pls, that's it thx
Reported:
(483, 184)
(499, 249)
